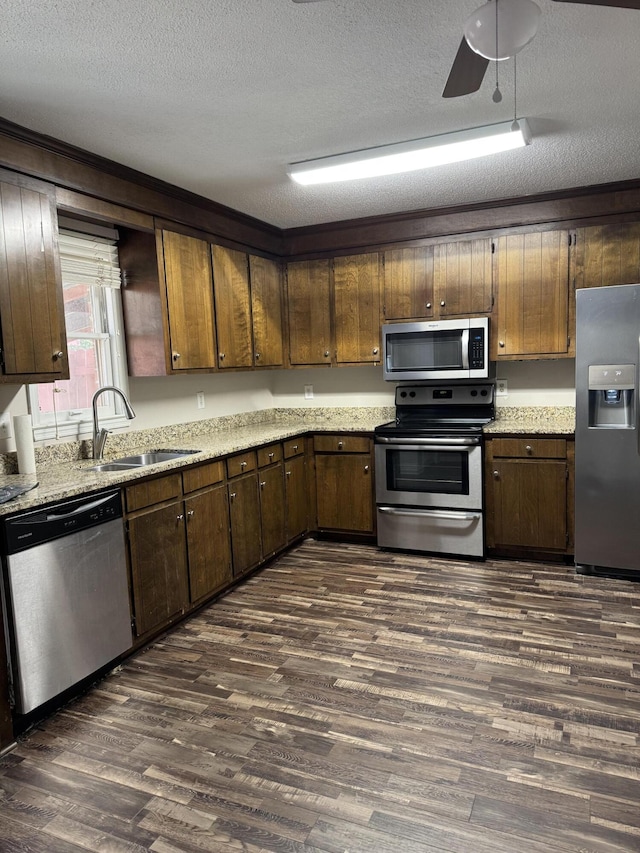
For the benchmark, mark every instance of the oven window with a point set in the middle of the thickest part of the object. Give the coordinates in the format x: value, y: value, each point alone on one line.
x: 435, y: 350
x: 431, y: 471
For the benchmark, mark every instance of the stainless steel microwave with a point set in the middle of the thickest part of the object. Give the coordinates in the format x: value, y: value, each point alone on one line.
x: 436, y: 349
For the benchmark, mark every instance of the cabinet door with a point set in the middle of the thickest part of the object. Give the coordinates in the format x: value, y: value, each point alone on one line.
x: 295, y: 482
x: 357, y: 308
x: 158, y: 566
x: 532, y: 279
x: 187, y: 274
x: 463, y: 278
x: 308, y: 297
x: 244, y: 507
x: 530, y: 503
x: 272, y: 513
x: 31, y: 307
x: 233, y: 307
x: 208, y: 542
x: 408, y: 283
x: 344, y: 489
x: 607, y: 254
x: 266, y: 310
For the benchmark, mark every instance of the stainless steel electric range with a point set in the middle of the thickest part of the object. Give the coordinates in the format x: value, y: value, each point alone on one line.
x: 429, y: 465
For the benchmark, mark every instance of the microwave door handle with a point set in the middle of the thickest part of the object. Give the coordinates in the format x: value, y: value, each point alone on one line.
x: 465, y: 349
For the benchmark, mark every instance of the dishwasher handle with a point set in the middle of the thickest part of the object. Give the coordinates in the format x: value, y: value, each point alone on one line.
x: 60, y: 513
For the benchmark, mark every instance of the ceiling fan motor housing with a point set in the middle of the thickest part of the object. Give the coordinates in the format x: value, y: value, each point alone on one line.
x: 502, y: 28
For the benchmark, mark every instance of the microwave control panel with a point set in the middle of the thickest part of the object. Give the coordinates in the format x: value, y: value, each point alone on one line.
x: 476, y: 349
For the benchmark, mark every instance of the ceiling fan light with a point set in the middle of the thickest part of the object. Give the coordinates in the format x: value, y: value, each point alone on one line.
x: 416, y: 154
x: 517, y: 25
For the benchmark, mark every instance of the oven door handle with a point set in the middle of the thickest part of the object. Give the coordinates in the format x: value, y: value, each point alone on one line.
x: 410, y: 443
x: 435, y: 513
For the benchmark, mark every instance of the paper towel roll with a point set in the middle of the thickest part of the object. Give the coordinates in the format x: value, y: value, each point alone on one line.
x: 24, y: 444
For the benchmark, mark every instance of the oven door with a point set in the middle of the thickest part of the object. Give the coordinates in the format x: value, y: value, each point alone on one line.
x: 443, y: 472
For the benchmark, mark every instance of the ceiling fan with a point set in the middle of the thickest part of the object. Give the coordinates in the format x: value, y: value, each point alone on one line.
x: 479, y: 43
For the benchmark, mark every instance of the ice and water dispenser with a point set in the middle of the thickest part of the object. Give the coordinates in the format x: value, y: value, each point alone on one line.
x: 612, y: 396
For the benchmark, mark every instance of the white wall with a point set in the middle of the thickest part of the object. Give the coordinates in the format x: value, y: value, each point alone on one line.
x: 161, y: 401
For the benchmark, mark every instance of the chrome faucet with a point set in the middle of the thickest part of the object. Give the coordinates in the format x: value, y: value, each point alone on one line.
x: 100, y: 436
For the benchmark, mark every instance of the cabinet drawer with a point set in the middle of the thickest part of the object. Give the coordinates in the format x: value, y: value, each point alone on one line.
x: 152, y: 492
x: 203, y: 475
x: 293, y: 447
x: 241, y: 463
x: 270, y: 454
x: 533, y: 448
x: 341, y: 443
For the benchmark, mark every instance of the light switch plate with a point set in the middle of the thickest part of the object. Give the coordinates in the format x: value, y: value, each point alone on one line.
x: 5, y: 425
x: 308, y: 392
x: 200, y: 399
x: 501, y: 388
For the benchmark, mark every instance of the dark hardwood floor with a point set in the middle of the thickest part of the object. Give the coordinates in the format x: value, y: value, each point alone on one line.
x: 354, y: 701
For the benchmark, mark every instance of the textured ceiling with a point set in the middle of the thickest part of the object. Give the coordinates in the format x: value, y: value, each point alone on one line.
x: 218, y: 96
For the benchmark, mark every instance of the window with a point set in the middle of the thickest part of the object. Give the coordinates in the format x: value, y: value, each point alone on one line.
x: 95, y: 341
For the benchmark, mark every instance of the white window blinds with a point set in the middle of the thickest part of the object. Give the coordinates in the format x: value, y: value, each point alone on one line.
x: 88, y: 260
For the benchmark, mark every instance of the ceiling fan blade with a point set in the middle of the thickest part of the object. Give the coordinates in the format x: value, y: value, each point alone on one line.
x: 467, y: 72
x: 620, y: 4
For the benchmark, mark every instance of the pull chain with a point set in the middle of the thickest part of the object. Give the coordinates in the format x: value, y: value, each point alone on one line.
x: 497, y: 94
x: 516, y: 124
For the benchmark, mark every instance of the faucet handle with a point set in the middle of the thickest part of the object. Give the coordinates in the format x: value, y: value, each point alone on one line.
x: 99, y: 443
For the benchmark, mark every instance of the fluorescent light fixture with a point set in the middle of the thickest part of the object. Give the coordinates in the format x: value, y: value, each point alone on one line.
x: 416, y: 154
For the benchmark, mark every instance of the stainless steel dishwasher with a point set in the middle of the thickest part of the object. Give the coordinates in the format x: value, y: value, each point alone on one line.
x: 65, y: 595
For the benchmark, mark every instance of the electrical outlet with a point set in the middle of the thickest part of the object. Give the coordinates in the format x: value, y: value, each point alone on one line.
x: 200, y: 399
x: 501, y: 388
x: 5, y: 425
x: 308, y: 392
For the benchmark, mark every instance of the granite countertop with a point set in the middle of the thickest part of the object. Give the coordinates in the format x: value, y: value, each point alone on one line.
x: 63, y: 470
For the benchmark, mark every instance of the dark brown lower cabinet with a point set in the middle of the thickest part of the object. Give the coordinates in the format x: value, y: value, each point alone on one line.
x: 296, y: 497
x: 272, y: 509
x: 244, y: 508
x: 344, y: 483
x: 208, y: 542
x: 160, y: 582
x: 529, y: 496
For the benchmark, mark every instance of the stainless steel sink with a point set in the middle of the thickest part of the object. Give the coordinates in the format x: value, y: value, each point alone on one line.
x: 140, y: 460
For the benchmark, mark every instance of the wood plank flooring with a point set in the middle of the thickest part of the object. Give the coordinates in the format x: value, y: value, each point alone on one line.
x: 348, y: 700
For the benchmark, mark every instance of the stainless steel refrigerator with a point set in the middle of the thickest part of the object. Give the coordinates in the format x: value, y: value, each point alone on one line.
x: 607, y: 533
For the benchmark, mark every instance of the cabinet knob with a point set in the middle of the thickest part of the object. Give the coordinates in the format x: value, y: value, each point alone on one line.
x: 442, y: 303
x: 326, y: 353
x: 271, y: 456
x: 175, y: 356
x: 243, y: 464
x: 221, y: 356
x: 179, y: 518
x: 428, y: 305
x: 340, y: 445
x: 232, y: 495
x: 366, y: 469
x: 263, y: 483
x: 500, y: 343
x: 496, y: 475
x: 295, y: 447
x: 257, y: 356
x: 58, y: 355
x: 287, y: 473
x: 190, y: 514
x: 375, y: 350
x: 528, y: 448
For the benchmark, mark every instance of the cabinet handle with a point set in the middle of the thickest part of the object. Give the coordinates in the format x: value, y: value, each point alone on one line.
x: 58, y: 355
x: 428, y: 305
x: 287, y: 473
x: 442, y: 303
x: 375, y: 350
x: 528, y: 448
x: 257, y: 356
x: 500, y: 343
x: 326, y: 353
x: 496, y: 475
x: 179, y: 518
x: 221, y: 356
x: 243, y: 464
x: 232, y: 495
x: 175, y: 356
x: 263, y: 483
x: 340, y: 445
x: 190, y: 514
x: 295, y: 447
x: 366, y: 469
x: 271, y: 455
